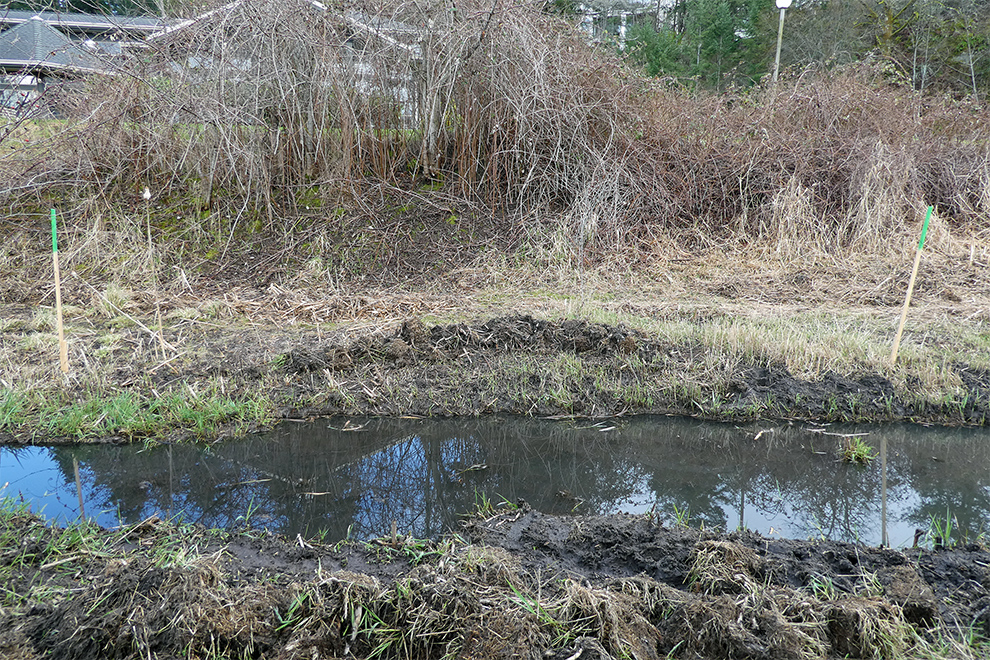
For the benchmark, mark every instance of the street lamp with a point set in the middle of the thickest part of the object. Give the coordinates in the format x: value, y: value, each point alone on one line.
x: 782, y: 5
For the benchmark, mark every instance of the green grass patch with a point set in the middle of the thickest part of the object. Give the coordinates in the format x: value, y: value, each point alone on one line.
x: 33, y: 543
x: 134, y: 416
x: 13, y: 408
x: 203, y: 415
x: 123, y: 414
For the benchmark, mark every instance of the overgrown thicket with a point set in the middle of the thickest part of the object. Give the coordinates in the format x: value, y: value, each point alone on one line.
x: 257, y: 113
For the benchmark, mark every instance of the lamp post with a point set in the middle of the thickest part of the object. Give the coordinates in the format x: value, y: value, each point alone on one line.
x: 782, y: 5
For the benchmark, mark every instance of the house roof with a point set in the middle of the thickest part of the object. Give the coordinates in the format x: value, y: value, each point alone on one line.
x: 35, y: 45
x: 90, y: 23
x: 383, y: 28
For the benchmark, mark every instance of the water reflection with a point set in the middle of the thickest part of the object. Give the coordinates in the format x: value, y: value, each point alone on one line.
x: 357, y: 476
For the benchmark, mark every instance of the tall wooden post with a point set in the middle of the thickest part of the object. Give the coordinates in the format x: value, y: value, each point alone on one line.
x: 63, y: 347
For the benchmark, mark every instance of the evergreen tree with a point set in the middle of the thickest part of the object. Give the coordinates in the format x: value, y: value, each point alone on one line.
x: 657, y: 51
x: 715, y: 42
x: 939, y: 45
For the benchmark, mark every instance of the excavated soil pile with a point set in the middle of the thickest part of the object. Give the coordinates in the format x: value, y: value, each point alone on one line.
x: 467, y: 368
x: 516, y: 584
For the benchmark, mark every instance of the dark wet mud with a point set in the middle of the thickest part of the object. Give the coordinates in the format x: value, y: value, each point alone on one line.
x: 514, y: 584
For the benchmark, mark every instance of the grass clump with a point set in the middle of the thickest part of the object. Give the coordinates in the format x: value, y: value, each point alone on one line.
x: 33, y: 544
x: 944, y: 531
x: 122, y: 414
x: 13, y: 408
x: 134, y: 416
x: 204, y: 414
x: 855, y: 450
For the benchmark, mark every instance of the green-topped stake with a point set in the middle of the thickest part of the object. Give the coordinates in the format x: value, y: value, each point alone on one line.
x: 910, y: 289
x: 63, y: 348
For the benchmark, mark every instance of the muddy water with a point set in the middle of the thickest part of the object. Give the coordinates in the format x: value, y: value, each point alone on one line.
x: 357, y: 476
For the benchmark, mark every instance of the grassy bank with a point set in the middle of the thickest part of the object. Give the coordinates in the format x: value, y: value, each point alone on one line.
x: 103, y: 415
x: 707, y: 340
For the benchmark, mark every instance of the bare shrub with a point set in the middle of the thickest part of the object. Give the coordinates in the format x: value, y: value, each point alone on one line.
x: 851, y: 153
x: 258, y: 113
x: 881, y: 197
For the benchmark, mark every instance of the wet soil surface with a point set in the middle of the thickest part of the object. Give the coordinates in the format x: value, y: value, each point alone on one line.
x: 515, y: 584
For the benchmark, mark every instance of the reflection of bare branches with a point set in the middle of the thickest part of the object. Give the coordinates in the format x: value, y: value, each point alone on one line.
x: 305, y: 478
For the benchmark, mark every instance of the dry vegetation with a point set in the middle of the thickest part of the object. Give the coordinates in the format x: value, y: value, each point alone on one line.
x: 314, y: 165
x: 273, y: 117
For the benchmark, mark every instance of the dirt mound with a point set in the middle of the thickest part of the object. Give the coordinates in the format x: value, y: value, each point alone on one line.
x: 518, y: 584
x: 415, y: 342
x: 742, y: 595
x: 523, y: 365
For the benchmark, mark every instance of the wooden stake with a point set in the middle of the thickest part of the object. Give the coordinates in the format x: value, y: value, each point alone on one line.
x: 910, y: 289
x: 63, y: 347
